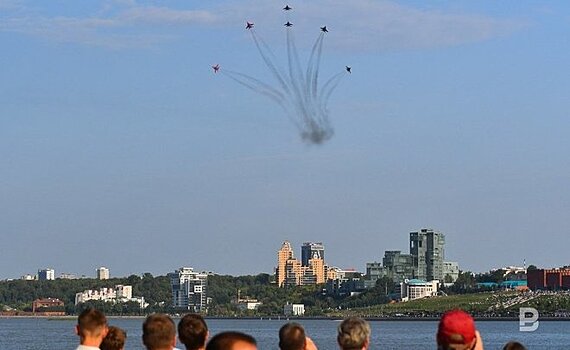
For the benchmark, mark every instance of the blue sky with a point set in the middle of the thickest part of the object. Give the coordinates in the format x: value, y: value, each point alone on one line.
x: 121, y: 148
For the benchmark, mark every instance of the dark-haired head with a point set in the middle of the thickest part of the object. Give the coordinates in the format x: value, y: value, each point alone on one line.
x: 514, y: 345
x: 232, y: 341
x: 159, y: 332
x: 292, y: 337
x: 115, y: 339
x: 192, y: 331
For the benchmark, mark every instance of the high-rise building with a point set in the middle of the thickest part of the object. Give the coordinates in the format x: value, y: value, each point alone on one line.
x: 399, y: 266
x: 188, y: 289
x: 46, y: 274
x: 103, y: 273
x: 395, y: 265
x: 317, y: 265
x: 418, y: 247
x: 425, y: 261
x: 283, y: 255
x: 311, y: 250
x: 375, y: 271
x: 427, y: 250
x: 435, y: 256
x: 291, y: 271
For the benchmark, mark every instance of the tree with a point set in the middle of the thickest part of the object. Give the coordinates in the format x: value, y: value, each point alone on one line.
x: 465, y: 282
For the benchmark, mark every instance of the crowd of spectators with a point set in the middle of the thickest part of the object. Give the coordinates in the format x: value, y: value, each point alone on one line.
x: 456, y: 331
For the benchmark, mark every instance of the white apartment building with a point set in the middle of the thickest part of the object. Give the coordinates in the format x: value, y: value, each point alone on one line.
x: 416, y: 289
x: 103, y: 273
x: 46, y: 274
x: 119, y: 294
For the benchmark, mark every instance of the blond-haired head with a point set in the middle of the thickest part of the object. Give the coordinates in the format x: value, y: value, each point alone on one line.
x: 353, y: 334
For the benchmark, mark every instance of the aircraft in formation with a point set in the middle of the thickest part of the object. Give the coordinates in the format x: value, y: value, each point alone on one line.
x: 306, y: 101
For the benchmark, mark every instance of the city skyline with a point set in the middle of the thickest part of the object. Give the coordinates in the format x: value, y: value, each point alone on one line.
x: 372, y: 269
x: 121, y: 147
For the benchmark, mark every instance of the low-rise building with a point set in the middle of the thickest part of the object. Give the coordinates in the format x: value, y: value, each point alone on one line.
x: 119, y: 294
x: 450, y: 271
x: 417, y: 289
x: 249, y: 304
x: 246, y: 303
x: 68, y: 276
x: 51, y: 306
x: 294, y: 309
x: 548, y: 279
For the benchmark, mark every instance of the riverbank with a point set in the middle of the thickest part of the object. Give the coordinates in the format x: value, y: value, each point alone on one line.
x: 285, y: 318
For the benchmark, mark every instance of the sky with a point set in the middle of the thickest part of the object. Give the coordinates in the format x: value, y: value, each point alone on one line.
x: 120, y: 147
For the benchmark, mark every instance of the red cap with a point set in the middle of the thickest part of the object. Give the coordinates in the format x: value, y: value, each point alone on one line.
x: 456, y: 327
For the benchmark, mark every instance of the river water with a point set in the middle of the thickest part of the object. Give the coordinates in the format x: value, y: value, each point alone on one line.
x: 48, y: 334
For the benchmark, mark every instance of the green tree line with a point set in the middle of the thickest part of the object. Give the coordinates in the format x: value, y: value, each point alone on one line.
x: 222, y: 292
x: 19, y: 294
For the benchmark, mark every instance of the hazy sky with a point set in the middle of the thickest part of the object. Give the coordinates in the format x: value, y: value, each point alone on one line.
x: 120, y: 147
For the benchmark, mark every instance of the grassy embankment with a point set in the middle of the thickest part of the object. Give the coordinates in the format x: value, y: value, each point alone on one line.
x: 486, y: 303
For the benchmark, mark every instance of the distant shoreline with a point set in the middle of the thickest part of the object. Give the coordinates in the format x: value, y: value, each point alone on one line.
x: 285, y: 318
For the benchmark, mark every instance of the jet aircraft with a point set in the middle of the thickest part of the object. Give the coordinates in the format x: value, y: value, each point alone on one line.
x: 324, y: 29
x: 348, y: 69
x: 248, y: 25
x: 287, y: 8
x: 216, y: 68
x: 288, y: 24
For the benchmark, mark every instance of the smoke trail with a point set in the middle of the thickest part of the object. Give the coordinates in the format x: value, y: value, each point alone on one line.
x: 291, y: 66
x: 298, y: 91
x: 257, y: 82
x: 311, y: 64
x: 263, y: 89
x: 329, y: 87
x: 269, y: 63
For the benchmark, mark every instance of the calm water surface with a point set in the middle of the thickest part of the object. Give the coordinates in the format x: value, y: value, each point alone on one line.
x: 46, y: 334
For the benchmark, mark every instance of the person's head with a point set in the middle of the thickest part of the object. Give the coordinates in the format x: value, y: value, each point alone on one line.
x: 232, y: 341
x: 514, y: 345
x: 292, y: 337
x: 159, y: 332
x: 456, y: 331
x: 115, y: 339
x: 193, y: 332
x: 91, y: 327
x: 353, y: 334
